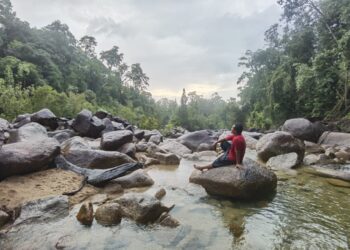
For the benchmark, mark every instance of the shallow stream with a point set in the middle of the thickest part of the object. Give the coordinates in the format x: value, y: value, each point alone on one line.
x: 306, y: 213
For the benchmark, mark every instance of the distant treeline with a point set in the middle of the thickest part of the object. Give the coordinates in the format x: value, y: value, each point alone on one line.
x: 50, y: 68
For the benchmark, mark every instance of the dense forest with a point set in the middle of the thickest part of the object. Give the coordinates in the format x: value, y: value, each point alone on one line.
x: 303, y: 71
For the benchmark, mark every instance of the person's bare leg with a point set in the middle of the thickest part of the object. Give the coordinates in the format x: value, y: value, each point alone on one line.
x: 201, y: 168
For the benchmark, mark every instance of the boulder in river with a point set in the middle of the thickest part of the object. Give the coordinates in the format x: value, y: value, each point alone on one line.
x: 138, y: 178
x: 86, y: 214
x: 175, y: 147
x: 87, y: 125
x: 250, y: 182
x: 303, y: 129
x: 30, y: 131
x: 90, y: 158
x: 142, y: 208
x: 27, y: 156
x: 108, y: 214
x: 335, y: 138
x: 285, y: 161
x: 196, y: 140
x: 279, y: 143
x: 116, y: 139
x: 128, y: 149
x: 46, y: 118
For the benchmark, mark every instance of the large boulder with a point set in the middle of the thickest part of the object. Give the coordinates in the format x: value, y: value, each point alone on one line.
x: 250, y: 182
x: 46, y: 118
x: 175, y: 147
x: 138, y: 178
x: 279, y: 143
x: 167, y: 159
x: 196, y: 140
x: 87, y: 125
x: 90, y: 158
x: 21, y: 120
x: 335, y: 138
x: 116, y: 139
x: 74, y: 143
x: 303, y: 129
x: 30, y: 131
x: 27, y: 156
x: 142, y: 208
x: 286, y: 161
x: 128, y: 149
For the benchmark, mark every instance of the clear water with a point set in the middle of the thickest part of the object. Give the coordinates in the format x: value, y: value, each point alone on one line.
x: 306, y: 213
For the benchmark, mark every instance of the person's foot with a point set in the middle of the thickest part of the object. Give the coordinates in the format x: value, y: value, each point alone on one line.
x: 197, y: 167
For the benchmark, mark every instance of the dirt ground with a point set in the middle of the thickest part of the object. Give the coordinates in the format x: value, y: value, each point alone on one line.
x: 16, y: 190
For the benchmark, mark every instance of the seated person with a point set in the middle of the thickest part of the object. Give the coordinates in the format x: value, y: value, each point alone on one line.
x: 234, y: 146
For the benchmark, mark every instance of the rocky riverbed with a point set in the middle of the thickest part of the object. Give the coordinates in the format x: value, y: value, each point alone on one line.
x: 99, y: 182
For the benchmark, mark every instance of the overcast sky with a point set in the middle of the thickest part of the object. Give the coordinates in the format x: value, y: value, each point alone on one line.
x: 192, y: 44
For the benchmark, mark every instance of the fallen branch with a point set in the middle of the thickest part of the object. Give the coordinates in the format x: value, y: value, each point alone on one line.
x: 98, y: 177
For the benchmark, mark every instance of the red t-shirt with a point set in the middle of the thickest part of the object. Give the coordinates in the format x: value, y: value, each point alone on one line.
x: 238, y: 143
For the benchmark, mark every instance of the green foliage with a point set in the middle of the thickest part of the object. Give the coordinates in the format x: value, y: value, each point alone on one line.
x: 305, y: 70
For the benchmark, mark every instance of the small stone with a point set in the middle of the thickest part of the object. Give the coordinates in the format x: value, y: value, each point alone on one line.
x: 169, y: 221
x: 338, y: 183
x: 4, y: 218
x: 86, y: 214
x: 160, y: 194
x: 108, y: 214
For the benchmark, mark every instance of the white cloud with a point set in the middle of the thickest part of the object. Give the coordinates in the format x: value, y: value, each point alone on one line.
x: 192, y: 44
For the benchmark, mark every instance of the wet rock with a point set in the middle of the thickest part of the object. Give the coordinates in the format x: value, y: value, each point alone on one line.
x: 251, y: 182
x: 342, y: 155
x: 310, y: 159
x: 138, y: 178
x: 74, y: 143
x: 279, y: 143
x: 28, y: 132
x: 142, y: 208
x: 193, y: 140
x: 90, y: 158
x: 108, y: 214
x: 160, y: 194
x: 166, y: 220
x: 62, y: 135
x: 152, y: 149
x: 87, y: 125
x: 303, y: 129
x: 86, y: 214
x: 139, y: 134
x: 335, y: 138
x: 46, y: 118
x: 156, y: 139
x: 148, y: 161
x: 27, y: 156
x: 175, y: 147
x: 128, y: 149
x: 4, y: 218
x: 285, y: 161
x: 141, y: 147
x: 44, y: 210
x: 338, y: 183
x: 249, y: 140
x: 167, y: 159
x: 21, y: 120
x: 116, y: 139
x: 313, y: 148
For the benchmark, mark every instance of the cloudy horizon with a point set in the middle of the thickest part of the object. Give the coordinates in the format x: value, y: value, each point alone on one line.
x: 191, y: 44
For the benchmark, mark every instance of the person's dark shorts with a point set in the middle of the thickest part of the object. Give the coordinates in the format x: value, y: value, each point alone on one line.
x: 223, y: 159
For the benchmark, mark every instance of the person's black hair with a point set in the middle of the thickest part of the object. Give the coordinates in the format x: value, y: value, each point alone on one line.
x: 239, y: 128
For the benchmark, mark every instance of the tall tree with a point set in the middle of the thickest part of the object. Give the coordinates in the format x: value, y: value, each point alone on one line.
x: 88, y: 45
